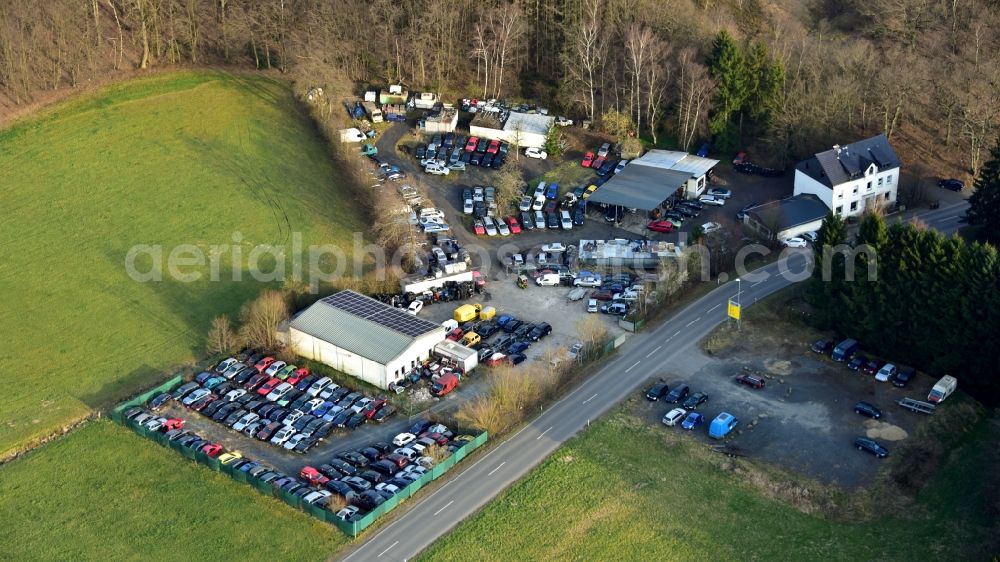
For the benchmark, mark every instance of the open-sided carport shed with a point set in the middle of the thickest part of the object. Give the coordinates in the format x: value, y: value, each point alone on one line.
x: 640, y: 187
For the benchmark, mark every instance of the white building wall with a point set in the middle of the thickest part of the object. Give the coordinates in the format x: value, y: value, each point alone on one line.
x: 526, y: 140
x: 799, y: 230
x: 695, y: 187
x: 805, y: 184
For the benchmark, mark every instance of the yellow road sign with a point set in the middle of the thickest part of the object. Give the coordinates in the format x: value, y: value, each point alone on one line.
x: 734, y: 310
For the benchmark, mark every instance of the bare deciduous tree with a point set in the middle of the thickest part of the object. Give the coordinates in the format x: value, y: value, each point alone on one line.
x: 260, y: 320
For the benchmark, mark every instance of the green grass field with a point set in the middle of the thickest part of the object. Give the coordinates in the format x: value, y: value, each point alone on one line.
x: 104, y: 493
x: 627, y: 491
x: 186, y: 158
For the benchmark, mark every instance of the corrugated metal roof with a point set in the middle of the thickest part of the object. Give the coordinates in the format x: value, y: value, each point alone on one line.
x: 368, y: 336
x: 675, y: 160
x: 639, y: 187
x: 529, y: 122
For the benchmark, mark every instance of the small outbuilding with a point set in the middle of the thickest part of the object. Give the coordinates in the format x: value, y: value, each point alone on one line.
x: 787, y: 218
x: 442, y: 121
x: 523, y: 130
x: 363, y: 337
x: 648, y: 181
x: 465, y: 357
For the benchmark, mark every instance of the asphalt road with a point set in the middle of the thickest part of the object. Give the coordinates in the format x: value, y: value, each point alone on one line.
x: 640, y: 358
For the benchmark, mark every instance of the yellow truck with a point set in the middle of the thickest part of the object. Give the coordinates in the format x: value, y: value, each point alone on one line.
x: 487, y: 313
x: 467, y: 312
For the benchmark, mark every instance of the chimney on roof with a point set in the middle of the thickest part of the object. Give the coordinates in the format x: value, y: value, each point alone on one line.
x: 836, y: 148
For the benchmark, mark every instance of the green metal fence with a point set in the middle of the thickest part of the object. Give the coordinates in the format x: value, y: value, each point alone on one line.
x: 351, y: 528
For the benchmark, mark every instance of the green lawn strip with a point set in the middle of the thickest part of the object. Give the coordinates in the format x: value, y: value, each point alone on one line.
x: 186, y: 158
x: 623, y: 490
x: 104, y: 493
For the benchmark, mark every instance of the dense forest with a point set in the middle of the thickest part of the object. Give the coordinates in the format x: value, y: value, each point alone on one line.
x: 787, y: 77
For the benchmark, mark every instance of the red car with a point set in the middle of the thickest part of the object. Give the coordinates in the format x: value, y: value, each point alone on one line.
x: 263, y: 364
x: 660, y: 226
x: 496, y: 359
x: 478, y: 227
x: 313, y: 476
x: 588, y: 159
x: 436, y: 437
x: 212, y: 450
x: 494, y: 147
x: 298, y: 375
x: 596, y: 164
x: 373, y: 408
x: 470, y: 145
x: 455, y: 334
x: 602, y: 295
x: 172, y: 424
x: 201, y: 404
x: 515, y: 228
x: 269, y: 386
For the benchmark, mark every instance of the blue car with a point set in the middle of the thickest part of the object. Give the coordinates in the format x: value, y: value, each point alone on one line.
x: 503, y: 320
x: 322, y: 409
x: 552, y: 191
x: 693, y: 420
x: 517, y: 347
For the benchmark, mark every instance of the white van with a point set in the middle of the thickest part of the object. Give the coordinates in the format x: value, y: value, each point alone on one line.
x: 548, y: 280
x: 351, y: 135
x: 942, y: 389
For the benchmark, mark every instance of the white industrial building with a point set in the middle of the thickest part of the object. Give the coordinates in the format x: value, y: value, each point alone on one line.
x: 442, y: 121
x: 851, y: 178
x: 523, y: 130
x: 363, y: 337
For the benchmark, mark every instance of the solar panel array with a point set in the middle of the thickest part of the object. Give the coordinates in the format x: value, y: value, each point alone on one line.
x: 370, y: 309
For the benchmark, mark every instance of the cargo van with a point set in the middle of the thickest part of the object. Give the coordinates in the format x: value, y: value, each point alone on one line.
x: 845, y: 350
x: 444, y: 384
x: 942, y: 389
x: 548, y: 280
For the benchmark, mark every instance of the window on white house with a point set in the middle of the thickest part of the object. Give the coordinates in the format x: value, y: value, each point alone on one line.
x: 869, y: 186
x: 887, y: 196
x: 888, y: 179
x: 855, y: 190
x: 840, y: 209
x: 840, y: 196
x: 854, y: 205
x: 880, y: 182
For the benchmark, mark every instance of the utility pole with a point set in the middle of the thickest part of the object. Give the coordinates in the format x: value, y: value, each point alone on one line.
x: 739, y: 302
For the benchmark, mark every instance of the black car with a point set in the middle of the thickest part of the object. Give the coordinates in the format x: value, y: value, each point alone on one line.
x: 329, y: 471
x: 540, y: 331
x: 512, y: 326
x: 234, y: 417
x: 465, y: 157
x: 324, y: 430
x: 686, y: 212
x: 866, y: 409
x: 657, y: 392
x: 383, y: 447
x: 244, y: 375
x: 183, y: 390
x: 516, y: 358
x: 338, y: 487
x: 857, y: 362
x: 303, y: 422
x: 522, y: 331
x: 578, y: 216
x: 306, y: 382
x: 606, y: 168
x: 212, y: 408
x: 344, y: 467
x: 498, y: 161
x: 872, y: 446
x: 679, y: 393
x: 370, y: 453
x: 369, y: 500
x: 695, y: 400
x: 822, y: 346
x: 312, y: 426
x: 223, y: 412
x: 488, y: 329
x: 338, y: 394
x: 373, y: 476
x: 244, y: 355
x: 552, y: 221
x: 306, y: 444
x: 383, y: 413
x: 483, y: 144
x: 388, y: 468
x: 341, y: 418
x: 159, y: 401
x: 355, y: 420
x: 903, y: 377
x: 418, y: 427
x: 487, y: 160
x: 952, y: 184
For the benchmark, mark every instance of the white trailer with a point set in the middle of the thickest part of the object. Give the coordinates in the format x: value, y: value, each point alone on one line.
x: 425, y: 100
x: 351, y: 135
x: 466, y: 358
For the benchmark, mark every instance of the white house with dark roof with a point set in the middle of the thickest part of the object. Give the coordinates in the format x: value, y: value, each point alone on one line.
x: 850, y: 178
x: 363, y: 337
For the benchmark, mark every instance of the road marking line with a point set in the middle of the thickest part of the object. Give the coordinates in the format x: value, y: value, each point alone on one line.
x: 449, y: 503
x: 714, y: 307
x: 692, y: 322
x: 491, y: 473
x: 388, y: 549
x: 591, y: 398
x: 650, y: 353
x: 677, y: 333
x: 542, y: 433
x: 757, y: 283
x: 632, y: 367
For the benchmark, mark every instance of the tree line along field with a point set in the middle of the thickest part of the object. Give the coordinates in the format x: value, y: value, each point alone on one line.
x: 623, y: 484
x: 104, y: 493
x: 181, y: 158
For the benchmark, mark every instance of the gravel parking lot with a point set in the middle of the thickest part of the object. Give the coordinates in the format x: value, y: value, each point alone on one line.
x: 804, y: 418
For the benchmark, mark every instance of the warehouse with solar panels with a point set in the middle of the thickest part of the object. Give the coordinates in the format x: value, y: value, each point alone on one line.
x: 363, y: 337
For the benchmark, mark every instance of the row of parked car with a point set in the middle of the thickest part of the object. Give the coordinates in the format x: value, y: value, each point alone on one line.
x: 514, y: 337
x: 367, y: 477
x: 686, y: 414
x: 848, y: 351
x: 454, y: 152
x: 275, y: 402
